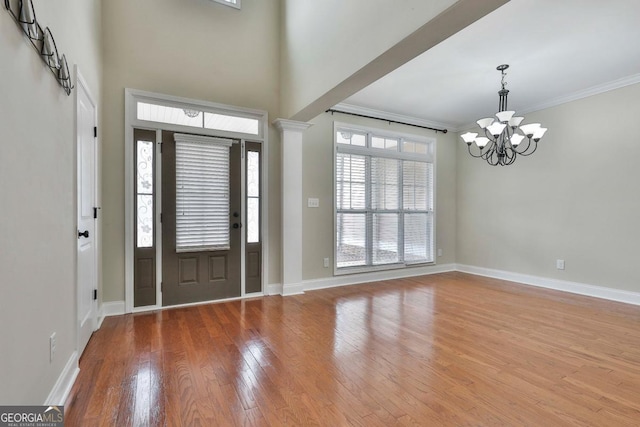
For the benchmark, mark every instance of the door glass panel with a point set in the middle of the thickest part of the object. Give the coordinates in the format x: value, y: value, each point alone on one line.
x: 253, y: 197
x: 202, y: 194
x: 144, y: 191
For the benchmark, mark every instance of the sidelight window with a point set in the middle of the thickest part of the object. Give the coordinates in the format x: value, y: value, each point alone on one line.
x: 144, y: 193
x: 253, y: 196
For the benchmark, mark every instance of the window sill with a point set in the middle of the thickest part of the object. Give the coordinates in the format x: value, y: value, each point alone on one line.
x: 378, y: 268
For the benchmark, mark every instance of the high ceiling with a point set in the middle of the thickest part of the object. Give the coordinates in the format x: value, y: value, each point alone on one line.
x: 557, y: 50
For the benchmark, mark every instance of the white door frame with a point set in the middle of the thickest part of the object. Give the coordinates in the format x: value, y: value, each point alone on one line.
x: 81, y: 85
x: 132, y: 96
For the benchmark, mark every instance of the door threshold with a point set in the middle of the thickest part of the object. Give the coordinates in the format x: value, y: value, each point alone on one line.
x: 148, y: 308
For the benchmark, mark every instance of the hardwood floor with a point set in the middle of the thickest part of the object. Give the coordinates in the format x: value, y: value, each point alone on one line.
x: 449, y: 349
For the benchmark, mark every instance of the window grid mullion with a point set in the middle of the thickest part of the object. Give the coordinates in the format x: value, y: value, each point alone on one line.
x: 401, y: 212
x: 369, y: 209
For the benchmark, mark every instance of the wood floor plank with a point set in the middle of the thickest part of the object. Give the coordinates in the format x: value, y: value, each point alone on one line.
x: 449, y: 349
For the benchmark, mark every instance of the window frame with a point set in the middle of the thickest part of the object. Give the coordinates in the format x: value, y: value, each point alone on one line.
x: 397, y: 154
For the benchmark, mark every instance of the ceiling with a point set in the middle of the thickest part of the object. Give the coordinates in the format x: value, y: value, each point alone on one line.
x: 557, y: 51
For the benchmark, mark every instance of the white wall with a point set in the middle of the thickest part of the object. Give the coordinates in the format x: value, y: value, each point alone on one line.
x: 196, y: 49
x: 324, y: 42
x: 38, y: 199
x: 575, y: 199
x: 317, y: 182
x: 331, y: 49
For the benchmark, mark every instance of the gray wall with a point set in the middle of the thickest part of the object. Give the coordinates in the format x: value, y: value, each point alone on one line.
x: 38, y: 197
x: 195, y: 49
x: 575, y: 199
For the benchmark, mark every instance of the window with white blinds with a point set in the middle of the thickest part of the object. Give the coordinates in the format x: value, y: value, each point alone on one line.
x: 202, y: 193
x: 383, y: 199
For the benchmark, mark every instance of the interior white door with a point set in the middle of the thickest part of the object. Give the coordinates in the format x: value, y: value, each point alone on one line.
x: 87, y: 242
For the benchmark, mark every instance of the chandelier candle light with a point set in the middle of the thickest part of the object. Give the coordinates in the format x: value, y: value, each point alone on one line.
x: 504, y: 134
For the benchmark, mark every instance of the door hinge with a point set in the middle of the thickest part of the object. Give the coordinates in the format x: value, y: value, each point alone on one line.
x: 160, y: 146
x: 95, y: 131
x: 161, y: 286
x: 95, y: 212
x: 95, y: 294
x: 161, y: 218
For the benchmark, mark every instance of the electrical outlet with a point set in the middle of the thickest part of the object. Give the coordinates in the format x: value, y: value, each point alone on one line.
x: 52, y: 346
x: 326, y: 263
x: 560, y: 264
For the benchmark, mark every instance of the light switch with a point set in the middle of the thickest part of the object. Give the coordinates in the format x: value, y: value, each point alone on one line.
x: 313, y: 202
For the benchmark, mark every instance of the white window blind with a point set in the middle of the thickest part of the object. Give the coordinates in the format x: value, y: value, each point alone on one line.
x: 384, y: 200
x: 202, y: 193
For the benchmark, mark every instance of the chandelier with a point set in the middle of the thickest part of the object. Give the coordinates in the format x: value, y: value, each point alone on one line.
x: 503, y: 135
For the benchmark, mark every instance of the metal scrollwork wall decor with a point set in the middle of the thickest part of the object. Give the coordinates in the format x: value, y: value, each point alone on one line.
x: 43, y: 42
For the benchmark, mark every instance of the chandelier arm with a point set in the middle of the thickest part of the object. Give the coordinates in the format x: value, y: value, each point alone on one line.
x: 487, y: 152
x: 511, y: 156
x: 493, y: 156
x: 535, y: 147
x: 491, y: 147
x: 519, y: 150
x: 473, y: 155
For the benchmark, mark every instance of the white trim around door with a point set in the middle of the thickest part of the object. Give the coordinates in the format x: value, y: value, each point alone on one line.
x: 132, y: 97
x: 87, y: 284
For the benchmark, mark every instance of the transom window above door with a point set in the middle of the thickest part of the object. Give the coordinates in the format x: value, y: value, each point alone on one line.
x: 195, y: 118
x: 232, y: 3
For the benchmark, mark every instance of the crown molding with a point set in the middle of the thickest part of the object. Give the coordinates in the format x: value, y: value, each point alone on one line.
x: 385, y: 115
x: 585, y: 93
x: 575, y: 96
x: 291, y: 125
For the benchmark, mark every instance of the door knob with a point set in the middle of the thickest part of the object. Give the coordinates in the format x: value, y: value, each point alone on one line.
x: 236, y: 225
x: 85, y: 234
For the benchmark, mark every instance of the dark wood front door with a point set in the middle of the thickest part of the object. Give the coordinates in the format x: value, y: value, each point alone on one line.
x: 212, y: 273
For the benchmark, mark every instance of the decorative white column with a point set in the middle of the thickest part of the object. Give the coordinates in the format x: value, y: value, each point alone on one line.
x: 291, y: 136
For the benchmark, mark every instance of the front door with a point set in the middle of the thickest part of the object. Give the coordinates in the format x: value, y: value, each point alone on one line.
x: 201, y: 218
x: 87, y: 213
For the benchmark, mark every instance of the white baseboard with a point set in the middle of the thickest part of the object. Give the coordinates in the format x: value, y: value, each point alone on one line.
x: 117, y: 307
x: 62, y: 387
x: 375, y: 276
x: 112, y: 308
x: 556, y: 284
x: 274, y: 289
x: 293, y: 289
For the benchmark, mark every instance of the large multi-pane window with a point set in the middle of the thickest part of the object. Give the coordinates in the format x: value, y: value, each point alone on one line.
x: 383, y: 199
